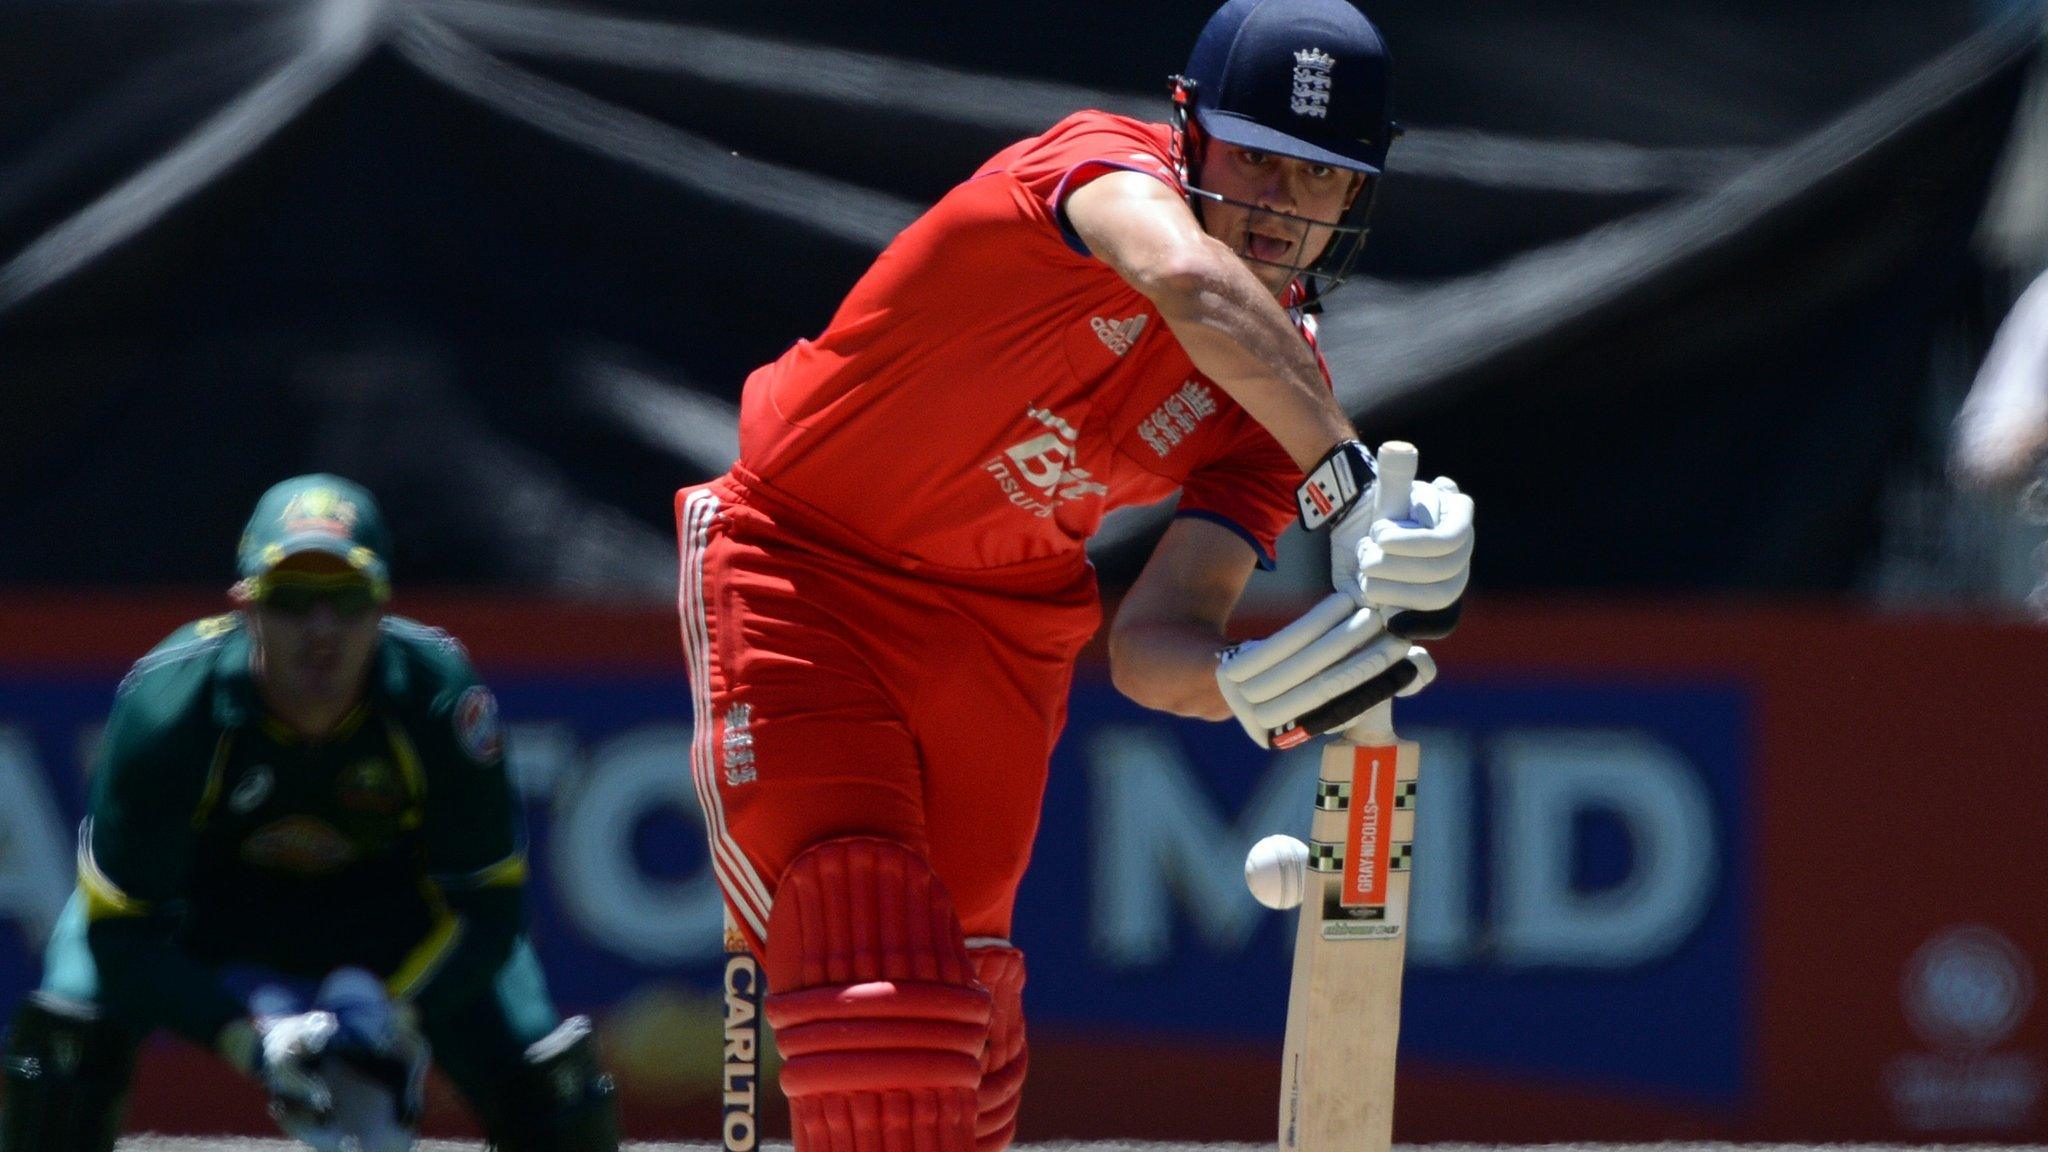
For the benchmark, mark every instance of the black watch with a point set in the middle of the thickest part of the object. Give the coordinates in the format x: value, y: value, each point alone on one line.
x: 1336, y: 483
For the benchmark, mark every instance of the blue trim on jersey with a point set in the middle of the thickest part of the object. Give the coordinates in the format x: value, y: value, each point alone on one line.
x: 1266, y: 561
x: 1059, y: 197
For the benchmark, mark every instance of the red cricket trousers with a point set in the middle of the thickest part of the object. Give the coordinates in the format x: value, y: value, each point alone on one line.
x: 839, y: 694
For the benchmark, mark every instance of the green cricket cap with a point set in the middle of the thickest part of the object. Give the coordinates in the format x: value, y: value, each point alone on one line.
x: 317, y: 513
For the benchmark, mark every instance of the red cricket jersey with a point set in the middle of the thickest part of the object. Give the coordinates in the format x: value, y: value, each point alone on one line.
x: 989, y: 390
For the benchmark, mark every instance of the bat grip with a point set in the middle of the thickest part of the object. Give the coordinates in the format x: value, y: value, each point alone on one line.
x: 1396, y: 460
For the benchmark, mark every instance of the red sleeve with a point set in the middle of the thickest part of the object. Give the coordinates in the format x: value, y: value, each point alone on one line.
x: 1084, y: 147
x: 1248, y: 488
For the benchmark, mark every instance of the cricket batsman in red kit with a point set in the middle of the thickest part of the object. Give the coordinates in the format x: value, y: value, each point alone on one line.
x: 883, y: 600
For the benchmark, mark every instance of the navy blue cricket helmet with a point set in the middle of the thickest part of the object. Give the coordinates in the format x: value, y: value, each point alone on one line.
x: 1306, y: 79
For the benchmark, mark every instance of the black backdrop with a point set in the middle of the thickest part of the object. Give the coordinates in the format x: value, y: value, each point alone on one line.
x: 509, y: 263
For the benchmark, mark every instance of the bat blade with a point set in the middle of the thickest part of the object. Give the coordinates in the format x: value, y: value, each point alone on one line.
x: 1350, y: 945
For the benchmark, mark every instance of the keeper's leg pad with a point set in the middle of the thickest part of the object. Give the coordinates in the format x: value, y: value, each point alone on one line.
x: 876, y: 1011
x: 1000, y: 968
x: 561, y: 1100
x: 67, y: 1070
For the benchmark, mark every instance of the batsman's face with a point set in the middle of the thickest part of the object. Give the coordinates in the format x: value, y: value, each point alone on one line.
x: 1295, y: 196
x: 316, y: 632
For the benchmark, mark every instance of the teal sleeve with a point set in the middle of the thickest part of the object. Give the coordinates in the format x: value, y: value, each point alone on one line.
x: 134, y: 862
x: 489, y: 924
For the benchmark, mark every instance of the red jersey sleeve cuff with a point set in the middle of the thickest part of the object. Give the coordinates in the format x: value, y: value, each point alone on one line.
x: 1259, y: 549
x: 1079, y: 177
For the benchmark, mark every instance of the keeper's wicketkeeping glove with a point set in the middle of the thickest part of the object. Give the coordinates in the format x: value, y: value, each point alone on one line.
x: 291, y: 1048
x: 349, y: 1073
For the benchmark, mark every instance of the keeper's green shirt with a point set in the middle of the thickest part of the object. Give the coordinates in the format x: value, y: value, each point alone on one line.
x: 216, y: 836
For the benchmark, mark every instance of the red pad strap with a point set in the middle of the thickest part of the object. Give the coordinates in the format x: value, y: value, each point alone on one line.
x: 1005, y: 1060
x: 879, y: 1036
x: 902, y: 999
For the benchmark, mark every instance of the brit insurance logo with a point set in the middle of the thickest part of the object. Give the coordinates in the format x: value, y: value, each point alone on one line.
x: 1965, y: 992
x: 1312, y: 83
x: 1039, y: 474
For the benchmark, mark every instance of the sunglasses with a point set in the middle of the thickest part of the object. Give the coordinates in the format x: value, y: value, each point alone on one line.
x: 302, y: 599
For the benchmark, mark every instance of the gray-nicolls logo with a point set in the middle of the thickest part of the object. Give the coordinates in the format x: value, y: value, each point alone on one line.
x: 1118, y: 335
x: 739, y: 744
x: 1312, y: 68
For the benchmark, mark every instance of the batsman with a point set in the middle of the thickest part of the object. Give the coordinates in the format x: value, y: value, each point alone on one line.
x: 882, y: 602
x: 305, y: 791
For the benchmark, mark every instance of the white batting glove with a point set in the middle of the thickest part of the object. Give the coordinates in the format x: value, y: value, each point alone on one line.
x: 1319, y: 674
x: 1413, y: 557
x: 1419, y: 563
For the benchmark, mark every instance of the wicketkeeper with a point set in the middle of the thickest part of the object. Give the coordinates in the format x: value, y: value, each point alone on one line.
x: 883, y: 600
x: 305, y: 792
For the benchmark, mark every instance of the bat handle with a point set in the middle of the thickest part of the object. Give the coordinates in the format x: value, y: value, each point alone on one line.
x: 1397, y: 461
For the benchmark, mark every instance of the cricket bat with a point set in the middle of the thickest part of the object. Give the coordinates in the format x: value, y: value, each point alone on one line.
x: 1344, y: 1000
x: 742, y: 1059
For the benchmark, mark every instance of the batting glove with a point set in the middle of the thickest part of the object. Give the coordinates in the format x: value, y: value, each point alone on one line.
x: 1416, y: 563
x: 1419, y: 564
x: 1319, y: 674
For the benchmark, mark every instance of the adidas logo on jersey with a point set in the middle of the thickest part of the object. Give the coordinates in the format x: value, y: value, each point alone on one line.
x: 1118, y: 335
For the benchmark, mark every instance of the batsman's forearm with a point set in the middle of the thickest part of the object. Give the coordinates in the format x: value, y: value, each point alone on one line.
x: 1240, y: 337
x: 1170, y: 667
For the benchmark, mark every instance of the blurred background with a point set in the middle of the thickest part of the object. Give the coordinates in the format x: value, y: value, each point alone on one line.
x: 1735, y: 777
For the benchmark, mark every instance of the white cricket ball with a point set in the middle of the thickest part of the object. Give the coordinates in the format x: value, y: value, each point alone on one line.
x: 1276, y: 870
